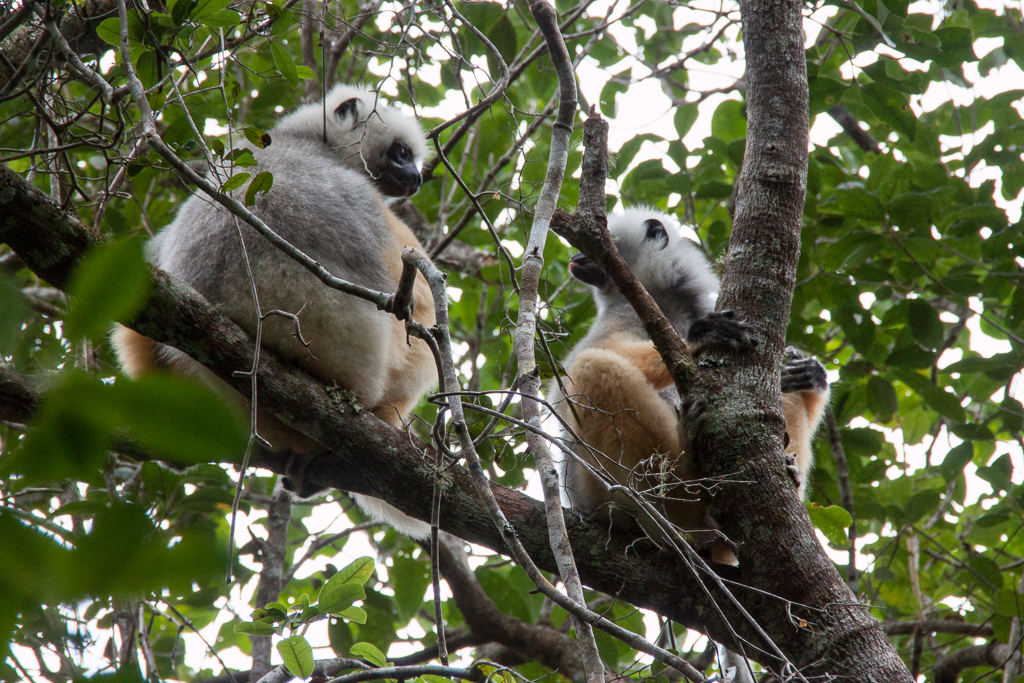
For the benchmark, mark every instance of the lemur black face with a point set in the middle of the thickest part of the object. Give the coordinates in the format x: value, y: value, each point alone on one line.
x: 348, y: 108
x: 400, y: 177
x: 587, y: 271
x: 656, y: 232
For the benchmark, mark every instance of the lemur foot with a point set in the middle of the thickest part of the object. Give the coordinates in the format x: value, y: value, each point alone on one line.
x: 720, y: 330
x: 791, y: 468
x: 691, y: 418
x: 802, y: 373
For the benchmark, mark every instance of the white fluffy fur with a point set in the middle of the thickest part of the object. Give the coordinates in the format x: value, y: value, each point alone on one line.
x: 369, y: 138
x: 659, y: 269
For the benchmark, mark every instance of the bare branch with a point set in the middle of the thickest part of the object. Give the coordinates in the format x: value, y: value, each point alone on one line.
x: 948, y: 667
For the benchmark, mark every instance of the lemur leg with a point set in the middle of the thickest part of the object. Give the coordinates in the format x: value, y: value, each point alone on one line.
x: 621, y: 417
x: 393, y: 410
x: 136, y: 354
x: 804, y: 397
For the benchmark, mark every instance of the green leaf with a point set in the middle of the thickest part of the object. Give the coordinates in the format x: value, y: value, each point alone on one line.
x: 912, y: 356
x: 370, y: 653
x: 502, y: 35
x: 255, y: 628
x: 987, y: 569
x: 925, y: 323
x: 241, y: 157
x: 492, y: 672
x: 336, y: 596
x: 825, y: 93
x: 15, y: 310
x: 225, y: 18
x: 72, y: 432
x: 881, y: 398
x: 207, y: 8
x: 109, y: 31
x: 1011, y: 412
x: 297, y: 655
x: 957, y: 46
x: 920, y: 504
x: 729, y: 122
x: 858, y: 326
x: 892, y: 107
x: 850, y: 251
x: 180, y: 419
x: 257, y: 136
x: 285, y: 64
x: 305, y: 73
x: 1008, y: 603
x: 354, y: 613
x: 180, y: 9
x: 110, y: 284
x: 684, y: 119
x: 952, y: 466
x: 357, y: 571
x: 147, y: 68
x: 339, y: 635
x: 998, y: 473
x: 831, y: 521
x: 261, y: 183
x: 944, y: 403
x: 410, y: 579
x: 234, y: 182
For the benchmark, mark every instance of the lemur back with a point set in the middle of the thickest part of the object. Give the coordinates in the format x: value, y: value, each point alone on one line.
x: 621, y: 402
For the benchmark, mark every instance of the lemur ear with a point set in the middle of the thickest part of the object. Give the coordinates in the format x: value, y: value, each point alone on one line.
x: 656, y: 231
x: 349, y: 107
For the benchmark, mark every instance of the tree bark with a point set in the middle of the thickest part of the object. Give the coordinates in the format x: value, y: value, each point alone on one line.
x: 273, y: 552
x: 800, y: 598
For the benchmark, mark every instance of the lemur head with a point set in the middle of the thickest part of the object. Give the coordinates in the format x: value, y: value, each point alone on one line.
x: 367, y: 135
x: 671, y: 267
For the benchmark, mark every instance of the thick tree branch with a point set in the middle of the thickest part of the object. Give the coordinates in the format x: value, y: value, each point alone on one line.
x: 947, y: 668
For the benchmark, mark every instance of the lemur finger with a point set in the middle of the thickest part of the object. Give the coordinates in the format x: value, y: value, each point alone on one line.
x: 806, y: 374
x: 720, y: 330
x: 691, y: 417
x: 792, y: 470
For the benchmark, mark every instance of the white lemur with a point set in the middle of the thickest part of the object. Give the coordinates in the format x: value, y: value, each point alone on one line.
x: 328, y: 199
x: 622, y: 402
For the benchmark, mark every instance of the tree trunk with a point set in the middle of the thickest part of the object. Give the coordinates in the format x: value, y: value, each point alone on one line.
x: 801, y: 601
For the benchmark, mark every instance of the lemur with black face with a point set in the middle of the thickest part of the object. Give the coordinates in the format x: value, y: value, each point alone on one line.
x: 331, y: 180
x: 622, y: 403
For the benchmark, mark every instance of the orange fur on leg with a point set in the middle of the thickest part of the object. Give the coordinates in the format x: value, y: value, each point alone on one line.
x: 136, y: 354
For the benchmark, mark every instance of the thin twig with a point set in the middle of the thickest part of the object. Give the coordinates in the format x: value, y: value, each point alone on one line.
x: 526, y: 328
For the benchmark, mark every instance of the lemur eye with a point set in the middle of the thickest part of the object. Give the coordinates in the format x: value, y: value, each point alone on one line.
x: 655, y: 230
x: 400, y: 151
